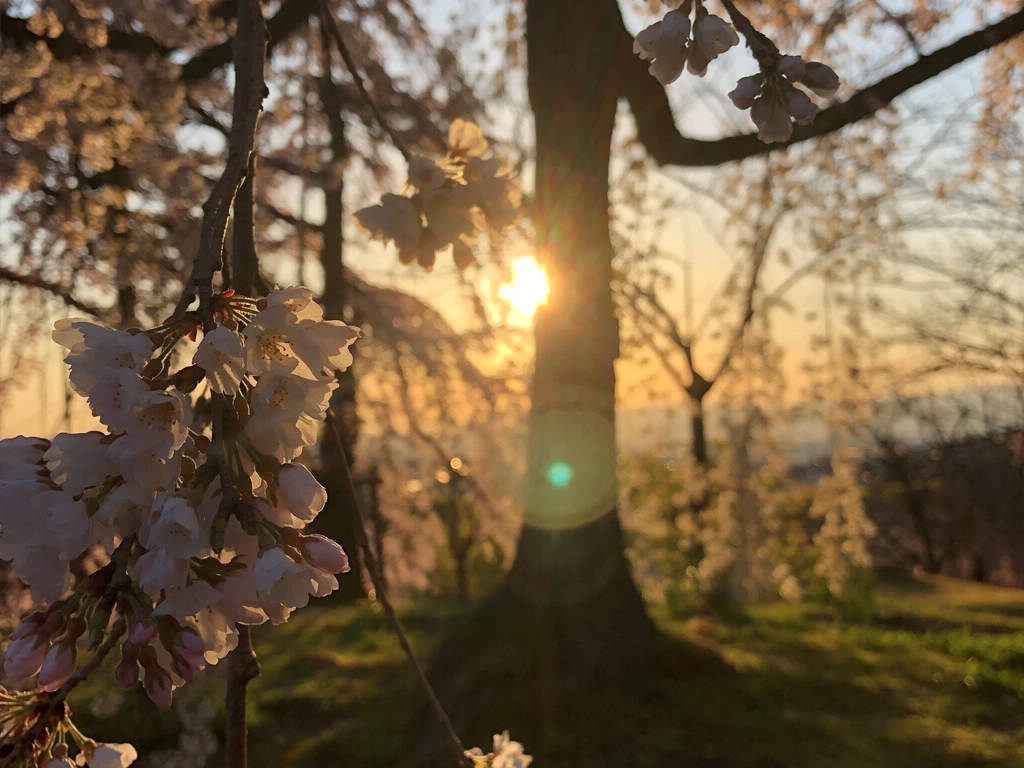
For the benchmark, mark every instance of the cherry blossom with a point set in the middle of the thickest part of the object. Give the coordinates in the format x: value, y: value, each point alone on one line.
x: 664, y: 44
x: 112, y: 756
x: 505, y: 753
x: 455, y: 199
x: 221, y: 356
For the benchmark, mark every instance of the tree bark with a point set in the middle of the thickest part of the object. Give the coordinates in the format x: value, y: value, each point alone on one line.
x: 570, y: 549
x: 698, y: 437
x: 570, y: 615
x: 338, y: 520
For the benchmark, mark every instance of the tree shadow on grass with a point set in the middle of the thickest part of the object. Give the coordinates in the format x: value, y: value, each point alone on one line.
x: 687, y: 707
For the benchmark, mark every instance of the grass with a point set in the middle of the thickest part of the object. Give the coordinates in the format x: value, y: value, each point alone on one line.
x: 936, y: 679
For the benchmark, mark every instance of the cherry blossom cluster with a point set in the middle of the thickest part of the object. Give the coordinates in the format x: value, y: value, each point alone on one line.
x: 772, y: 96
x: 774, y: 100
x: 670, y: 47
x: 504, y: 754
x: 453, y: 200
x: 192, y: 509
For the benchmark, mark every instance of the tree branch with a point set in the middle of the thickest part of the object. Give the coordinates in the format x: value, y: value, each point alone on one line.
x: 242, y: 667
x: 250, y: 87
x: 760, y: 251
x: 61, y: 292
x: 331, y: 26
x: 658, y: 133
x: 290, y: 16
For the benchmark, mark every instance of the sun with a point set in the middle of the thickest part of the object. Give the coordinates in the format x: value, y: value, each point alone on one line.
x: 529, y: 286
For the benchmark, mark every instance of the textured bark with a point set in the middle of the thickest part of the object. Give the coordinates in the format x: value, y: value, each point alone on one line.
x: 568, y: 616
x: 571, y: 545
x: 698, y: 437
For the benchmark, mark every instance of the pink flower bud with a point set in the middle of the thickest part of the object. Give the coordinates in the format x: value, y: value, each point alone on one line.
x: 24, y: 656
x: 127, y: 672
x: 30, y: 625
x: 57, y: 666
x: 191, y: 642
x: 158, y: 687
x: 142, y: 632
x: 324, y: 554
x: 188, y: 654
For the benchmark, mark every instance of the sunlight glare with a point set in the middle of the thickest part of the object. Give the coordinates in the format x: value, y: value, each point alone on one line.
x: 529, y: 286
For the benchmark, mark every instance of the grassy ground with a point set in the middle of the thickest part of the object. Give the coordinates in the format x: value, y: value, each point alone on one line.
x: 935, y: 679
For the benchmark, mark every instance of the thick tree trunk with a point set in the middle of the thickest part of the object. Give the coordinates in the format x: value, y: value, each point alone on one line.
x: 698, y: 437
x: 568, y: 616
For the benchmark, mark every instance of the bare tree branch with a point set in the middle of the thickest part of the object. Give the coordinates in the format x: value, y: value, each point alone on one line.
x: 62, y: 292
x: 250, y: 52
x: 658, y: 132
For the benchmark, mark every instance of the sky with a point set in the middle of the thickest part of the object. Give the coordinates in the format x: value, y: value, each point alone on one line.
x: 689, y: 237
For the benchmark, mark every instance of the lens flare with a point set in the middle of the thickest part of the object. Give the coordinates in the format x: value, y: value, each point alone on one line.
x: 560, y: 474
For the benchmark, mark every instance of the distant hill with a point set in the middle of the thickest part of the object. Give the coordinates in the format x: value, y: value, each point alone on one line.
x: 803, y: 432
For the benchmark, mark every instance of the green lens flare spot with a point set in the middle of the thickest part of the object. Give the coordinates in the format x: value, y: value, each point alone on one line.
x: 559, y: 474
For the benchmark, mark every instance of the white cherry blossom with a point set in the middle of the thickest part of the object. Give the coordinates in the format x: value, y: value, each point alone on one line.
x: 285, y: 585
x: 711, y: 36
x: 21, y: 456
x: 664, y: 44
x: 156, y: 570
x: 113, y: 756
x: 221, y: 355
x: 173, y: 528
x: 299, y: 496
x: 78, y: 461
x: 95, y: 348
x: 772, y: 120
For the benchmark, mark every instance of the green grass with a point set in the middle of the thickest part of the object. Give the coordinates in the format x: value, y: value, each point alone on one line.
x: 936, y: 679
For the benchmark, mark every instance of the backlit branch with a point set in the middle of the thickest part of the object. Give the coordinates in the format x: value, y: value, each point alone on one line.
x: 667, y: 146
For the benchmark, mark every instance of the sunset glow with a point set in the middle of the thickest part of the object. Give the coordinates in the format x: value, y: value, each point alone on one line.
x: 529, y: 286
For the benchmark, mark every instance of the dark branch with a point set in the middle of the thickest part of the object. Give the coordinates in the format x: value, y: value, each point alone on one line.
x: 331, y: 26
x: 657, y: 129
x: 291, y: 16
x: 62, y: 292
x: 250, y: 88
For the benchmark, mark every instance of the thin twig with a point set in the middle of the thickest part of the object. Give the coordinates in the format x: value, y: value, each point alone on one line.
x: 332, y: 28
x: 372, y: 567
x: 62, y: 292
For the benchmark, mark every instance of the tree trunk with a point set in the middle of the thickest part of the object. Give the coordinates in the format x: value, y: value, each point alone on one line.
x: 571, y: 544
x: 569, y: 614
x: 337, y: 520
x: 698, y: 438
